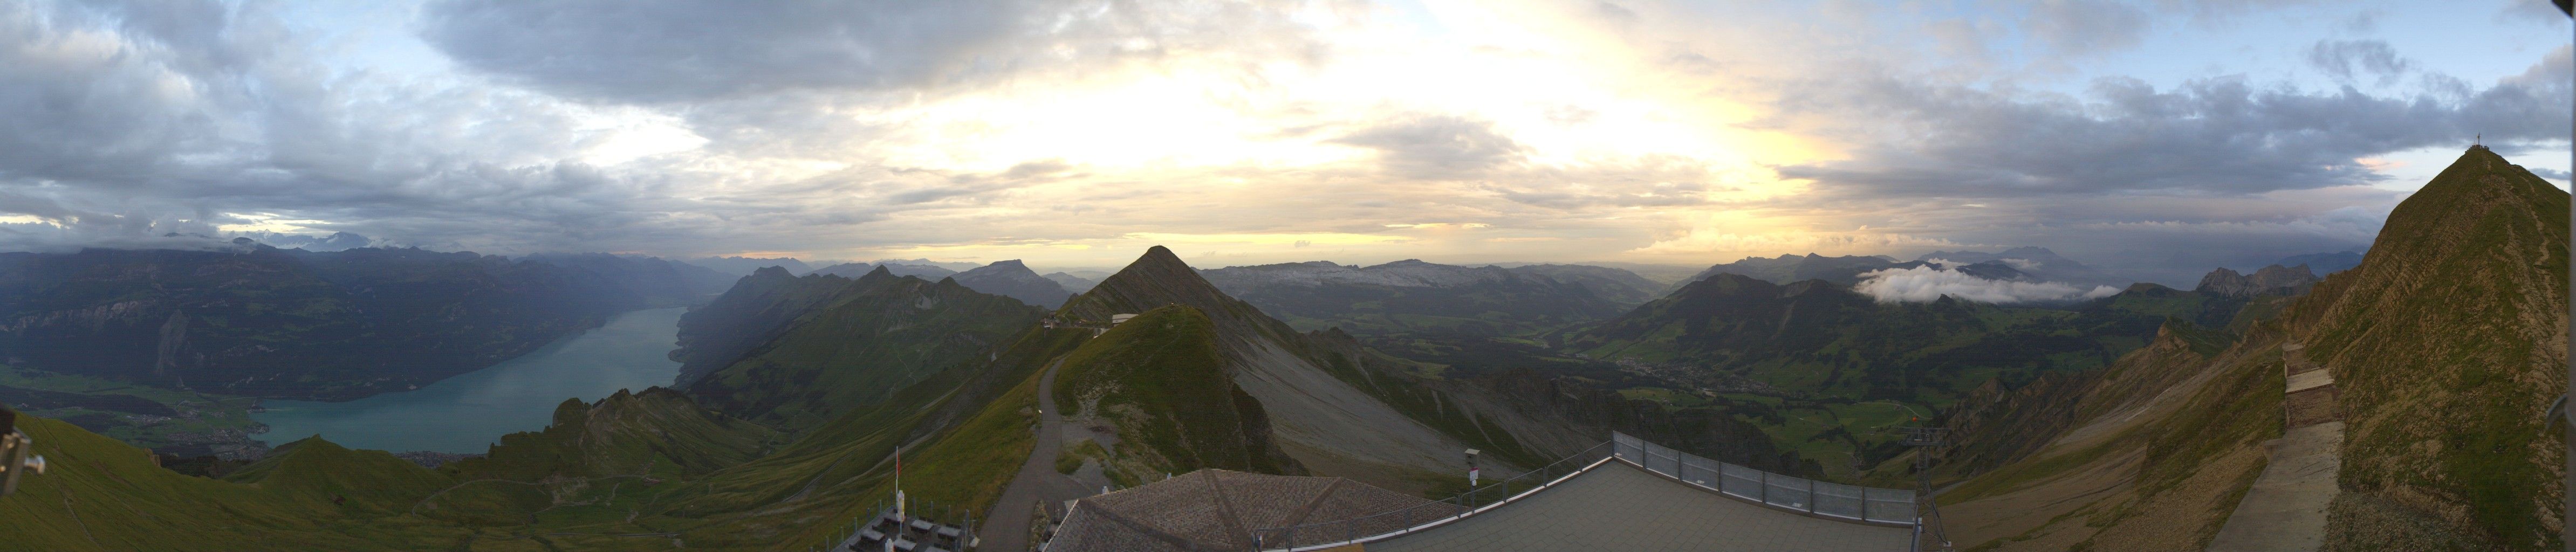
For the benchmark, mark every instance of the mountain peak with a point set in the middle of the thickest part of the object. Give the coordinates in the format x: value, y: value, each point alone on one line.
x: 772, y: 272
x: 2274, y: 279
x: 2456, y: 318
x: 1014, y: 279
x: 1157, y: 279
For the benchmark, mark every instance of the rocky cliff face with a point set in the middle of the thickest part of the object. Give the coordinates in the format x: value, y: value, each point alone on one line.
x: 2270, y: 280
x: 1015, y: 280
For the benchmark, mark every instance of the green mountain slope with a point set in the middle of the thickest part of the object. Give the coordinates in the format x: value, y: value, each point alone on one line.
x: 2443, y: 345
x: 1826, y: 370
x: 1335, y: 407
x: 1161, y: 381
x: 2446, y: 343
x: 102, y: 495
x: 658, y: 433
x: 755, y: 310
x: 872, y: 337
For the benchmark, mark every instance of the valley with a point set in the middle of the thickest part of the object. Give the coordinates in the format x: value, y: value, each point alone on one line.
x: 466, y: 413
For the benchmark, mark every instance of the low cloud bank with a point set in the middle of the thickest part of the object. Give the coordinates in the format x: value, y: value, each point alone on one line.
x: 1925, y: 283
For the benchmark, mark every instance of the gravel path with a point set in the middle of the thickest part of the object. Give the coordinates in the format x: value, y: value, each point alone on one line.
x: 1007, y: 530
x: 2286, y: 508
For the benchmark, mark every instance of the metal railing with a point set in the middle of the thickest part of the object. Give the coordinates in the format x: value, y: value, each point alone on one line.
x: 1852, y: 502
x: 1327, y: 534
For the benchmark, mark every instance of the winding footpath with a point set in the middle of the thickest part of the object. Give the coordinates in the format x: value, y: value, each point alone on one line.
x: 1037, y: 483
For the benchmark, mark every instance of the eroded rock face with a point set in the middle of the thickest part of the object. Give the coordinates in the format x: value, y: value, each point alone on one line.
x: 2273, y: 280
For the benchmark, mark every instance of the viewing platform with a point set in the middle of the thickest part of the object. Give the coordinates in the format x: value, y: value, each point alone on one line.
x: 1626, y: 494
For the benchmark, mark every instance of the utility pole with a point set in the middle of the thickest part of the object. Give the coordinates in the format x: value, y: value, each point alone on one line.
x: 1925, y: 440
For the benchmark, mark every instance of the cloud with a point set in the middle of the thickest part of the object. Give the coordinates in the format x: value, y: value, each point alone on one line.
x: 673, y: 50
x: 1706, y: 241
x: 2085, y: 26
x: 2218, y: 136
x: 1436, y: 146
x: 2346, y: 59
x: 680, y: 50
x: 335, y: 242
x: 1925, y: 283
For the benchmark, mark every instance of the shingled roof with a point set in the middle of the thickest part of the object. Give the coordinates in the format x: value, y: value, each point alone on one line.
x: 1215, y: 509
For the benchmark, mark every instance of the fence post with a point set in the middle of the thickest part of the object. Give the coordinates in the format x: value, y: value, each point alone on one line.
x: 1811, y: 496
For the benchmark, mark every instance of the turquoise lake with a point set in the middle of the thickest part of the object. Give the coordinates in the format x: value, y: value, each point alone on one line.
x: 469, y: 412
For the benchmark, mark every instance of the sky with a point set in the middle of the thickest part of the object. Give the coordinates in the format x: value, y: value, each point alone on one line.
x: 2156, y: 138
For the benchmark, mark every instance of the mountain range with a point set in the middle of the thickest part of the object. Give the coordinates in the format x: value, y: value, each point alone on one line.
x: 745, y: 265
x: 2020, y: 264
x: 793, y: 352
x: 289, y: 323
x: 1412, y: 296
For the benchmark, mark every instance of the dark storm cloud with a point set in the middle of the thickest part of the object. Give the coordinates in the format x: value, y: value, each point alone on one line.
x: 1437, y: 146
x: 2207, y: 136
x: 2348, y: 59
x: 131, y: 121
x: 82, y: 108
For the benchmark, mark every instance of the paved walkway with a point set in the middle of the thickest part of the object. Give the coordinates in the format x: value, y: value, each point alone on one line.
x: 1617, y: 506
x: 2286, y: 509
x: 1007, y: 530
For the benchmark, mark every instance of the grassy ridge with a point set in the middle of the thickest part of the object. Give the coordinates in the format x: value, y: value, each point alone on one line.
x: 104, y: 495
x: 880, y: 336
x: 1161, y: 379
x: 2446, y: 344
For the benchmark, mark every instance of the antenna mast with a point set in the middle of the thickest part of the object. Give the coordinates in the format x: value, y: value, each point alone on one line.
x: 1925, y: 440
